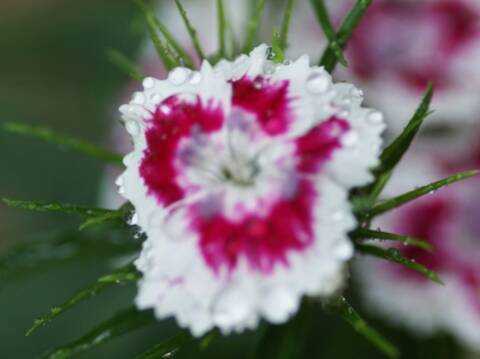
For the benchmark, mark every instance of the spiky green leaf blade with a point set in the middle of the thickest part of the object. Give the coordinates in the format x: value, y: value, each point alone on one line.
x: 222, y: 29
x: 402, y: 199
x: 341, y: 307
x: 123, y: 275
x: 169, y: 61
x: 167, y: 348
x: 329, y: 58
x: 286, y: 341
x: 394, y: 255
x: 327, y: 27
x: 57, y: 207
x: 365, y: 234
x: 277, y: 52
x: 191, y: 30
x: 283, y: 42
x: 121, y: 323
x: 124, y: 64
x: 253, y: 26
x: 116, y: 216
x: 65, y: 141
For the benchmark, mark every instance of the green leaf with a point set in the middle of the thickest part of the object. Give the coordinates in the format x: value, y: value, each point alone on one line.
x: 277, y: 51
x: 191, y: 30
x: 253, y: 26
x: 392, y: 154
x: 348, y: 313
x: 286, y: 25
x: 329, y: 58
x: 329, y: 31
x: 63, y: 140
x: 394, y: 255
x: 169, y: 61
x: 102, y: 218
x: 125, y: 64
x: 167, y: 348
x: 122, y: 323
x: 57, y: 207
x: 364, y: 233
x: 286, y: 341
x: 62, y: 246
x: 398, y: 201
x: 221, y: 28
x: 123, y: 275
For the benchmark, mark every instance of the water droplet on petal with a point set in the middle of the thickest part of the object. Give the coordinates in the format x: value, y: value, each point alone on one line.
x: 375, y: 118
x: 196, y: 78
x: 132, y: 127
x: 344, y: 250
x: 269, y: 68
x: 138, y: 98
x: 350, y: 139
x: 149, y: 83
x: 119, y: 181
x: 258, y: 84
x: 178, y: 76
x: 317, y: 83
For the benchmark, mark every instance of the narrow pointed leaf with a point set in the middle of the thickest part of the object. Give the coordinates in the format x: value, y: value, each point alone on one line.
x: 286, y: 341
x: 350, y: 315
x: 117, y: 216
x: 328, y: 30
x: 286, y: 25
x: 394, y: 255
x: 253, y: 26
x: 168, y: 348
x: 364, y: 233
x: 57, y: 207
x: 191, y: 30
x: 277, y: 51
x: 398, y: 201
x: 120, y: 276
x: 329, y: 58
x: 122, y: 323
x: 222, y: 27
x: 168, y: 61
x: 63, y: 140
x: 123, y: 63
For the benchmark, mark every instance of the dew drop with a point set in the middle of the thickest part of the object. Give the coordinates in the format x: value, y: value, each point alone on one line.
x: 258, y: 84
x: 178, y: 76
x: 148, y: 83
x: 375, y: 118
x: 119, y: 181
x: 317, y: 83
x: 196, y: 78
x: 138, y: 99
x: 350, y: 139
x: 132, y: 127
x: 269, y: 69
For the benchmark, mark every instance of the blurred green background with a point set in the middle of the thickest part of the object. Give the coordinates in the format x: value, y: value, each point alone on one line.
x: 54, y: 72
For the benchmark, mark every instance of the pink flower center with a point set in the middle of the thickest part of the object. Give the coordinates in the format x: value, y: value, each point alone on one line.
x: 276, y: 217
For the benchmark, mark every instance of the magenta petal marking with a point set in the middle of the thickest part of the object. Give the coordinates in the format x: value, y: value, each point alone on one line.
x: 262, y: 241
x: 268, y: 101
x: 173, y: 120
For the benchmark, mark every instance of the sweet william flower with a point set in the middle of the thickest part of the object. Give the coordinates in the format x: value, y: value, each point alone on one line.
x: 239, y: 178
x: 448, y: 219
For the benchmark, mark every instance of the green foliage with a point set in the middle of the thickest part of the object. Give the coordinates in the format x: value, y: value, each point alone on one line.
x: 222, y: 29
x: 253, y: 26
x: 122, y: 323
x: 286, y: 25
x: 394, y: 255
x: 167, y: 348
x: 63, y: 141
x: 398, y: 201
x: 191, y: 30
x: 277, y: 51
x: 124, y: 64
x: 57, y: 207
x: 329, y: 31
x: 329, y: 58
x: 123, y: 275
x: 341, y: 307
x: 363, y: 233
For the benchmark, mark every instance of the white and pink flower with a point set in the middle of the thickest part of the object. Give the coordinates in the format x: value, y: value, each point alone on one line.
x: 240, y: 177
x: 449, y: 220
